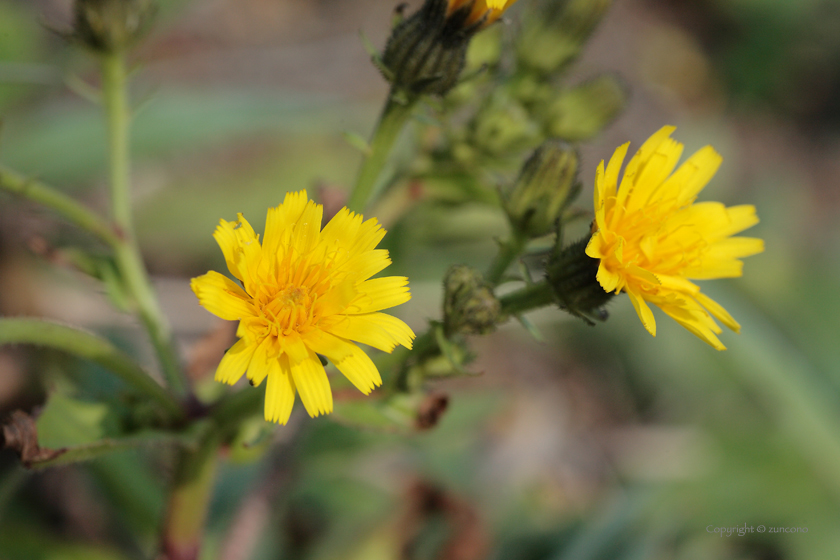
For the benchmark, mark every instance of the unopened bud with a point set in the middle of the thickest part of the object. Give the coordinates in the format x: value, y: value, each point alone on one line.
x: 111, y: 25
x: 546, y: 186
x: 426, y: 52
x: 503, y: 126
x: 582, y: 112
x: 572, y: 275
x: 555, y: 35
x: 469, y: 305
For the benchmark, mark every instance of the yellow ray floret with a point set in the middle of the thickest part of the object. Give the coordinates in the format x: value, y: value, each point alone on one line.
x: 652, y: 239
x: 304, y: 291
x: 484, y: 11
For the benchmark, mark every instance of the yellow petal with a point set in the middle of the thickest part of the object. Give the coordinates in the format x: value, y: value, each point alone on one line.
x: 693, y: 175
x: 614, y: 167
x: 281, y: 220
x: 379, y: 330
x: 710, y: 268
x: 341, y: 231
x: 368, y: 263
x: 677, y: 284
x: 350, y: 360
x: 650, y: 178
x: 235, y: 361
x: 313, y: 386
x: 644, y: 312
x: 381, y: 293
x: 360, y: 370
x: 261, y: 362
x: 595, y: 247
x: 598, y: 192
x: 740, y: 218
x: 735, y: 248
x: 222, y: 297
x: 638, y: 162
x: 327, y: 344
x: 369, y: 235
x: 607, y: 279
x: 256, y: 375
x: 307, y: 229
x: 718, y: 311
x: 294, y: 347
x: 694, y: 325
x: 279, y: 393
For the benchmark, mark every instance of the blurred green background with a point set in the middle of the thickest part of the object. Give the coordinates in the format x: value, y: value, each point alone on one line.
x: 597, y: 443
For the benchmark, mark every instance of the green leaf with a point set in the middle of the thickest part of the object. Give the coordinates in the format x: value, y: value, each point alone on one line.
x: 89, y: 346
x: 66, y: 421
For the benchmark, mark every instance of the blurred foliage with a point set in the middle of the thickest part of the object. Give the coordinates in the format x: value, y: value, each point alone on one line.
x: 774, y: 52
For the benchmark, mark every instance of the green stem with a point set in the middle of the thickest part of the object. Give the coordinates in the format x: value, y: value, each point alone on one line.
x: 132, y: 269
x: 394, y: 116
x: 115, y: 96
x: 508, y: 252
x: 86, y: 452
x: 189, y: 500
x: 91, y: 347
x: 59, y: 202
x: 528, y: 298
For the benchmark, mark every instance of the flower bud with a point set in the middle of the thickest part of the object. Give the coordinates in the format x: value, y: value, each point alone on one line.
x: 110, y: 25
x: 502, y: 127
x: 572, y: 275
x: 554, y: 36
x: 426, y: 52
x: 582, y: 112
x: 547, y: 184
x: 469, y: 305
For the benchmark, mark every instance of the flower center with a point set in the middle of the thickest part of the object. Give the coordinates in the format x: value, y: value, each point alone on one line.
x: 290, y: 309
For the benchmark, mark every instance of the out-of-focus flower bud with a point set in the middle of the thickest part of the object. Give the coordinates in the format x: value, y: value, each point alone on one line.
x: 426, y: 52
x: 582, y: 112
x: 469, y: 305
x: 503, y: 126
x: 546, y: 186
x: 572, y: 275
x: 554, y: 35
x: 111, y: 25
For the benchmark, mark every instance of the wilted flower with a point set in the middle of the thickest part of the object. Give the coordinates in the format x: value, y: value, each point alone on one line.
x: 651, y: 237
x: 306, y: 292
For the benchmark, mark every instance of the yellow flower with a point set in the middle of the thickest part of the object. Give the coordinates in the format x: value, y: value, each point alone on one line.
x: 307, y: 291
x: 492, y: 9
x: 652, y: 238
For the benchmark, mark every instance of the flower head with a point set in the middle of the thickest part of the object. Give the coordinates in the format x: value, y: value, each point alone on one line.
x: 651, y: 237
x: 305, y: 291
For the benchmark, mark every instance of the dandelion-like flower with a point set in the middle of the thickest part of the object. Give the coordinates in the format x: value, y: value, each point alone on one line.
x: 652, y: 238
x: 305, y: 291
